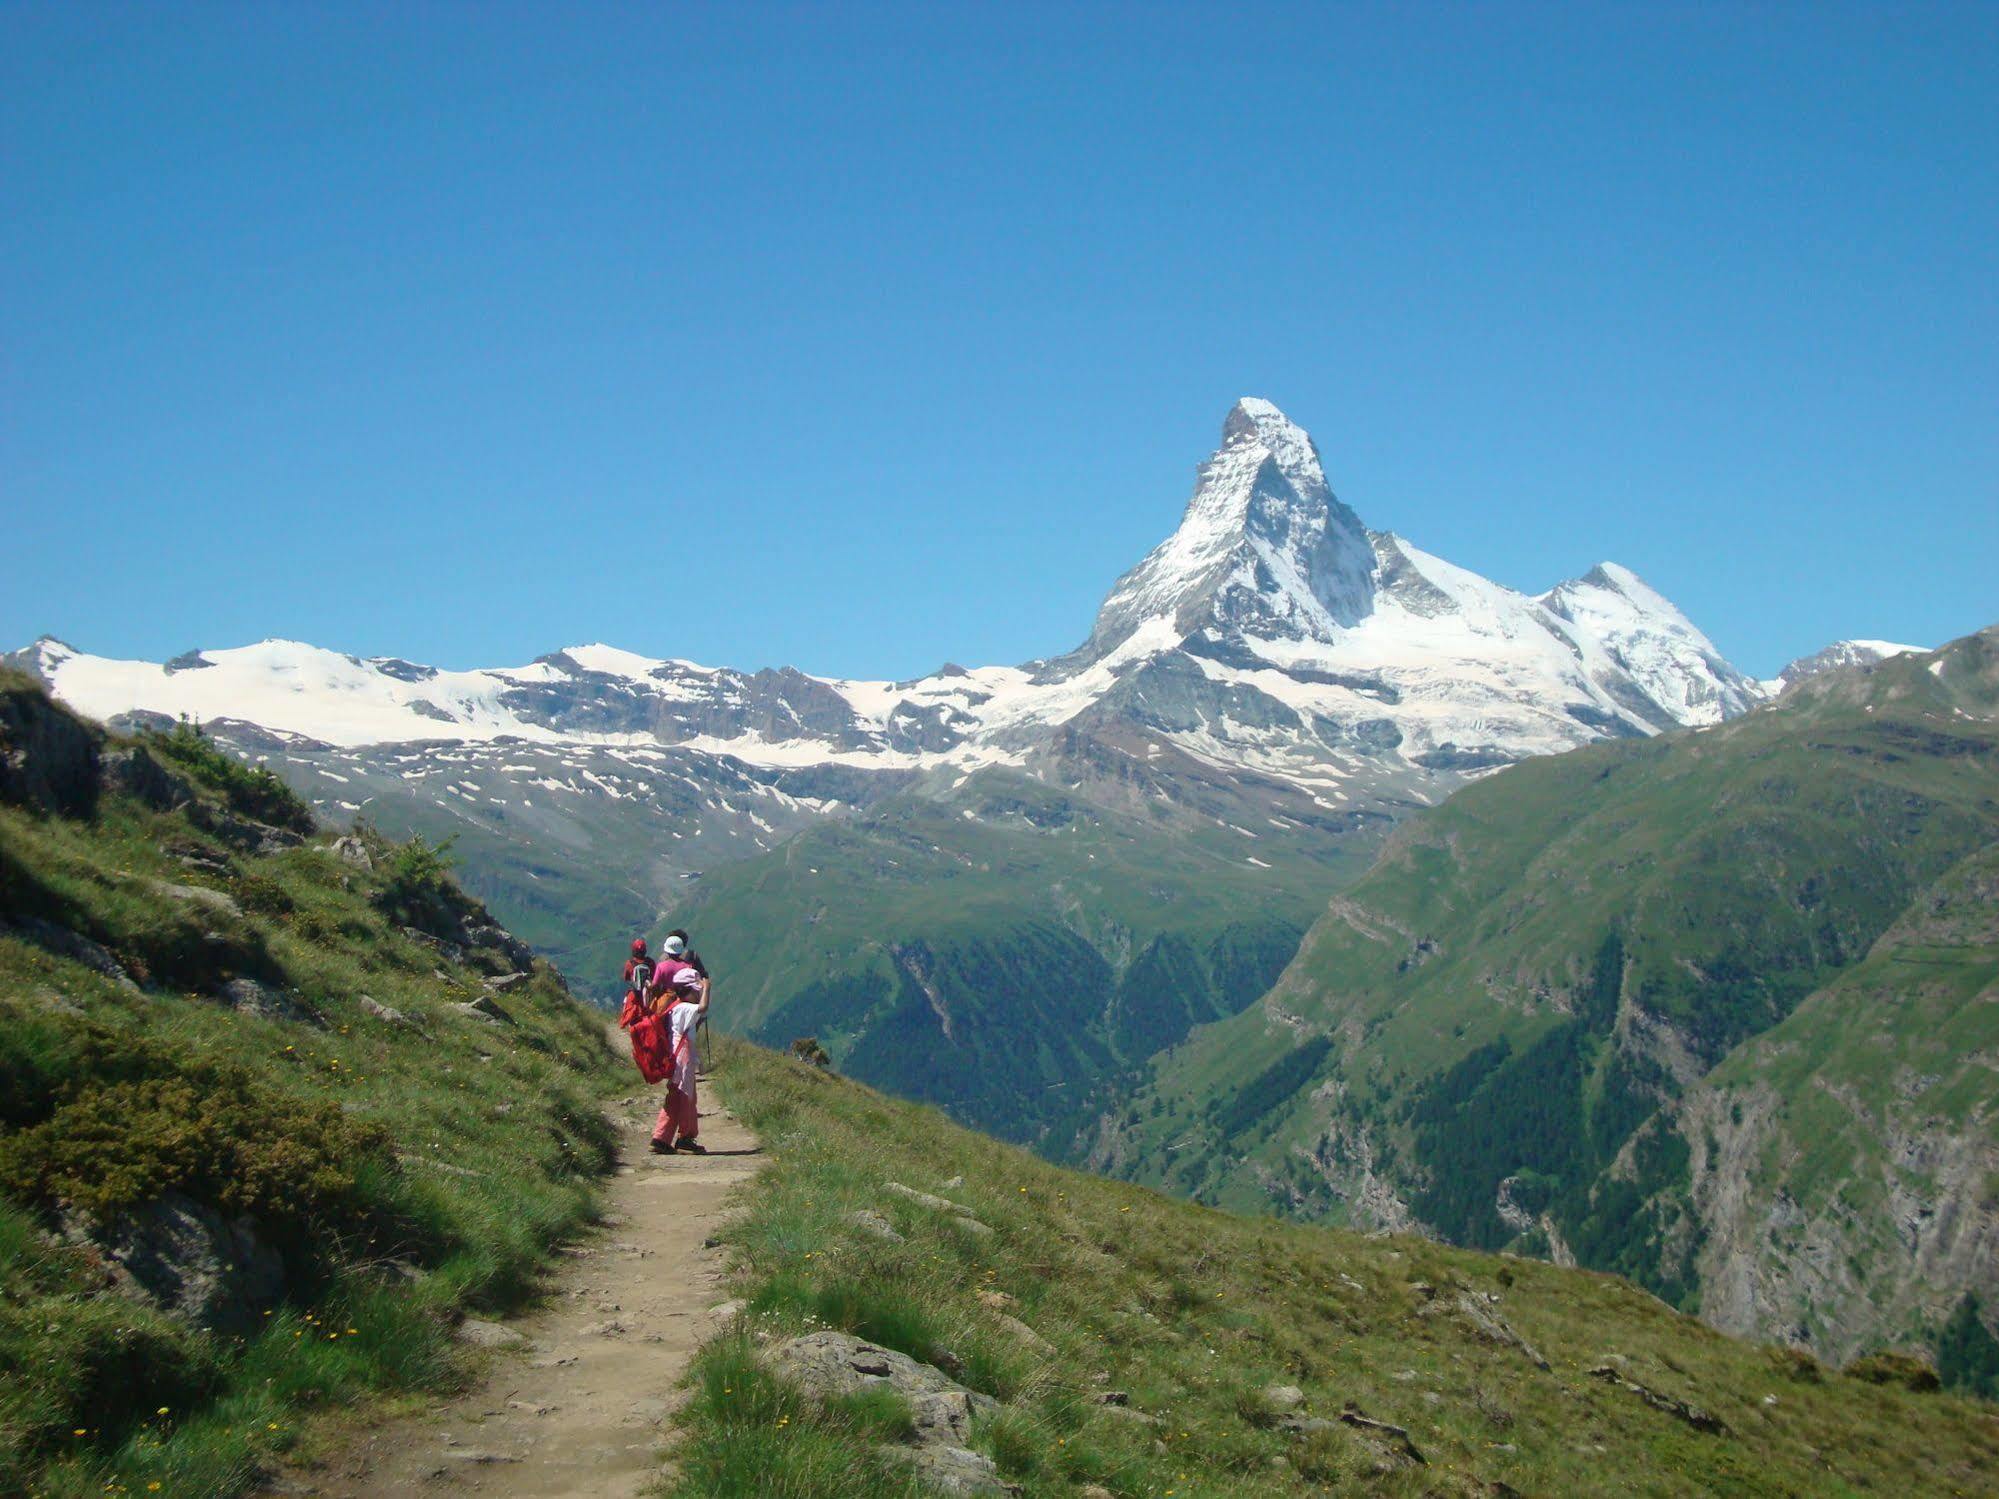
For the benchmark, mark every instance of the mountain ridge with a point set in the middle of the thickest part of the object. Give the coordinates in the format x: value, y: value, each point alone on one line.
x: 1270, y: 585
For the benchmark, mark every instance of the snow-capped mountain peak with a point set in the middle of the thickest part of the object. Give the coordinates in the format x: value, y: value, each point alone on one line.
x: 1253, y: 421
x: 1264, y: 547
x: 1839, y: 653
x: 1644, y: 633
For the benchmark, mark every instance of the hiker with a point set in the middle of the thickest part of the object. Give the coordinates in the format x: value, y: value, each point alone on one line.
x: 678, y: 948
x: 638, y: 984
x: 680, y: 1115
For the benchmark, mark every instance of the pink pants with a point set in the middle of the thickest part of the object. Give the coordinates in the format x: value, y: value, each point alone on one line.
x: 679, y: 1115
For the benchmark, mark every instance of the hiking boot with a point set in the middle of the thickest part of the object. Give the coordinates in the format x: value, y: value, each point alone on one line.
x: 662, y: 1147
x: 692, y: 1147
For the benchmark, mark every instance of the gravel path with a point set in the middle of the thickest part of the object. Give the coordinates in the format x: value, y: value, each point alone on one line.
x: 577, y: 1397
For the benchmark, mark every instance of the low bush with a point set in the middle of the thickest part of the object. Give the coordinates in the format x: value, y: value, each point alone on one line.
x: 215, y: 1134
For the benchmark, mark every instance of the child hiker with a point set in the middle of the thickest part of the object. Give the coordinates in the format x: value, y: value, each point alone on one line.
x: 680, y: 1116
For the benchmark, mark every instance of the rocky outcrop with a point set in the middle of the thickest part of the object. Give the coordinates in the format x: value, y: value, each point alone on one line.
x: 252, y: 997
x: 1680, y: 1410
x: 65, y: 943
x: 189, y: 1260
x: 131, y: 769
x: 827, y: 1365
x: 48, y: 756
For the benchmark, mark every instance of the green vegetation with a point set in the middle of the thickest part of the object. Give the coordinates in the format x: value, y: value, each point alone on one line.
x: 1521, y: 992
x: 1968, y: 1355
x: 208, y: 1009
x: 1009, y: 950
x: 1192, y: 1315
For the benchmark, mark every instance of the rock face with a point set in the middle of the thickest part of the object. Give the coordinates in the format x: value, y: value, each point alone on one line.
x: 188, y: 1259
x: 825, y: 1365
x: 1842, y: 1191
x: 48, y: 760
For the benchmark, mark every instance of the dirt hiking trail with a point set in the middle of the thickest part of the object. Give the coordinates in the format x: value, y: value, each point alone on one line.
x: 578, y: 1407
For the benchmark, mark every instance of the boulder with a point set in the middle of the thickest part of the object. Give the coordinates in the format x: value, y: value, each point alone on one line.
x: 1283, y: 1397
x: 492, y: 937
x: 954, y: 1470
x: 1025, y: 1334
x: 352, y: 851
x: 251, y: 997
x: 826, y: 1365
x: 387, y: 1014
x: 873, y: 1224
x: 1395, y: 1439
x: 481, y: 1334
x: 1127, y: 1413
x: 1303, y: 1426
x: 188, y: 1259
x: 78, y: 948
x: 485, y: 1010
x: 1680, y: 1410
x: 1486, y: 1322
x: 214, y: 901
x: 961, y: 1216
x: 925, y: 1199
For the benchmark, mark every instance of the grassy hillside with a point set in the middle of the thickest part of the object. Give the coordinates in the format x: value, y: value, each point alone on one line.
x: 1010, y: 950
x: 1189, y: 1316
x: 256, y: 1158
x: 1475, y: 1035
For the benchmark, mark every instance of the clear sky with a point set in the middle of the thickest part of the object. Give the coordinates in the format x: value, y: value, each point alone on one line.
x: 860, y: 338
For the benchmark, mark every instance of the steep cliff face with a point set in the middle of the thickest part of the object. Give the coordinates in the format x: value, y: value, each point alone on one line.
x: 1842, y: 1166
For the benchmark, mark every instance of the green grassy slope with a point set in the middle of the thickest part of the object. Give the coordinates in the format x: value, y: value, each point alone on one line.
x: 1472, y: 1037
x: 1008, y: 950
x: 380, y: 1175
x: 1192, y: 1314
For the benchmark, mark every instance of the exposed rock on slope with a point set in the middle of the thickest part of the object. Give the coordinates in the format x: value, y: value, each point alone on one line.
x: 1841, y: 1165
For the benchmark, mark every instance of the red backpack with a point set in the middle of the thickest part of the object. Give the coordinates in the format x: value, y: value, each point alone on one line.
x: 652, y: 1048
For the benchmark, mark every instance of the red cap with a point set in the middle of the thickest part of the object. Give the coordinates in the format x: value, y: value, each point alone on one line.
x: 638, y: 947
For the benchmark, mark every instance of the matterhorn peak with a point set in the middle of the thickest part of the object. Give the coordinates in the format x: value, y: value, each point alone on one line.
x: 1253, y: 421
x: 1263, y: 548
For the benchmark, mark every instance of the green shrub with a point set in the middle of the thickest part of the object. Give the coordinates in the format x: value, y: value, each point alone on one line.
x: 418, y: 887
x: 1968, y: 1355
x: 1903, y: 1369
x: 220, y: 1137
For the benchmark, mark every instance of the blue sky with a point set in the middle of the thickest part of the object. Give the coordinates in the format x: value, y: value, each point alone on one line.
x: 862, y: 337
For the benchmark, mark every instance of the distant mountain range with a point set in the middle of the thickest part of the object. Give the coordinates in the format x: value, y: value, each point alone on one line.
x: 1259, y: 700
